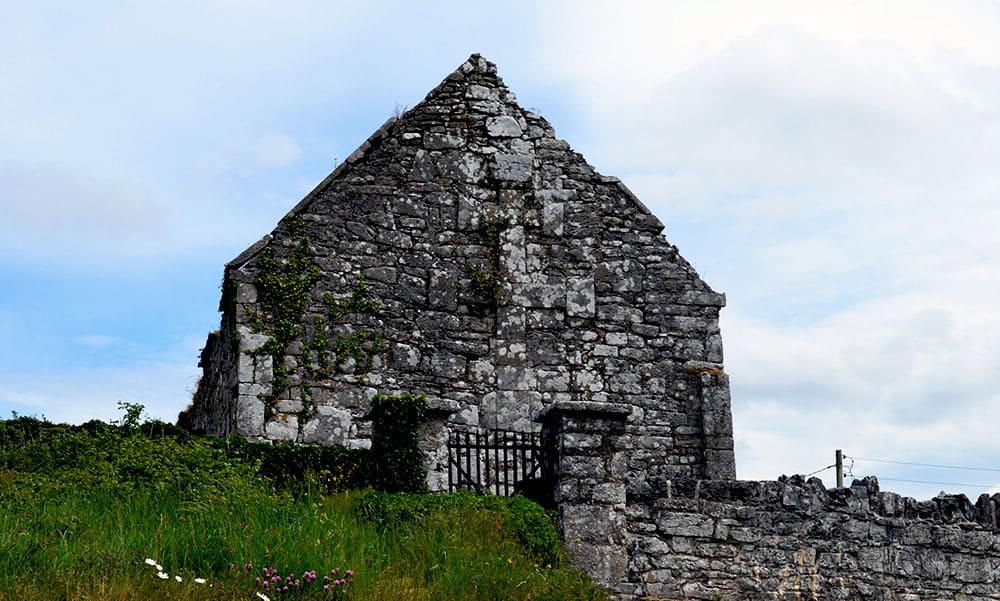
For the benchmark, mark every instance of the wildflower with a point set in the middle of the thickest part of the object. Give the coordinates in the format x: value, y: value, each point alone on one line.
x: 200, y: 580
x: 178, y: 579
x: 263, y: 596
x: 349, y: 573
x: 150, y: 562
x: 162, y: 575
x: 510, y: 560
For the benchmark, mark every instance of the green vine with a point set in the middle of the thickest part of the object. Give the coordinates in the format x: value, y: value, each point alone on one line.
x: 484, y: 282
x: 358, y: 345
x: 283, y: 294
x: 398, y: 462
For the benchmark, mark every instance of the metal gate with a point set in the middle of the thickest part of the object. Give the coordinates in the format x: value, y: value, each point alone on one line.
x: 496, y: 461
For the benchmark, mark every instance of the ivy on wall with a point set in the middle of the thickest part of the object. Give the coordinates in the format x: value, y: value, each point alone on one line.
x: 484, y: 281
x: 360, y: 346
x: 397, y: 461
x: 284, y: 294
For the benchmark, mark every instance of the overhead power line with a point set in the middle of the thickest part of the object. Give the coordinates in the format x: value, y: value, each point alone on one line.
x: 983, y: 486
x: 823, y: 469
x: 935, y: 465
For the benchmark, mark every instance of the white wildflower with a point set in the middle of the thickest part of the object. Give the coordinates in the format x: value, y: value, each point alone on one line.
x: 150, y: 562
x: 178, y: 579
x: 263, y: 596
x: 162, y: 575
x: 200, y: 580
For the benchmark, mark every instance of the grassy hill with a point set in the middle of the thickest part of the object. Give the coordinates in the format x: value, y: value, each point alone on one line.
x: 145, y: 511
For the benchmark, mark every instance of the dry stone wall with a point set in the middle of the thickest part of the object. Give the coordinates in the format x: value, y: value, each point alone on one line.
x: 504, y: 274
x: 793, y: 539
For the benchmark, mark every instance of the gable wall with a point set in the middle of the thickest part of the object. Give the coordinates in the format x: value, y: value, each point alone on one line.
x: 594, y: 305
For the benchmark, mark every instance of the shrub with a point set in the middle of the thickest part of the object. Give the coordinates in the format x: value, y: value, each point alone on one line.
x: 302, y: 468
x: 397, y: 461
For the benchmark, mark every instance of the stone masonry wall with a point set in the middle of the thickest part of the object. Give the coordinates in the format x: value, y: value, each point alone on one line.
x: 509, y: 275
x: 793, y: 539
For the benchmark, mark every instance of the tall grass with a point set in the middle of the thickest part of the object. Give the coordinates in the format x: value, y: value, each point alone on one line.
x: 81, y: 525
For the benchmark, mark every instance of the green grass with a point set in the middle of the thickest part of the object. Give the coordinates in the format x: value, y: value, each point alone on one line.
x: 80, y: 512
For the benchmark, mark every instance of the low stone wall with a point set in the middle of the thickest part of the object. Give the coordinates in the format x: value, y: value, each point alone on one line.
x: 793, y: 539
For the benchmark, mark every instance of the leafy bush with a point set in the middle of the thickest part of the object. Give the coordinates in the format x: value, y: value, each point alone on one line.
x: 36, y: 455
x: 302, y: 468
x: 397, y: 461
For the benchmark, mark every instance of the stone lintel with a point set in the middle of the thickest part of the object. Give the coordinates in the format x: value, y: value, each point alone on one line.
x: 589, y: 408
x: 442, y: 407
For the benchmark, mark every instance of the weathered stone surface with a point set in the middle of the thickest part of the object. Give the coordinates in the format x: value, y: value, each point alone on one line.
x: 503, y: 126
x: 798, y: 539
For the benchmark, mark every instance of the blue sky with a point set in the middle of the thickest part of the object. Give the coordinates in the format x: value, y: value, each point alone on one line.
x: 831, y: 167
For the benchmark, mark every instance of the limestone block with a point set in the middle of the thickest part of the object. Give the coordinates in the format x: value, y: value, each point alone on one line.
x: 553, y: 380
x: 685, y: 524
x: 512, y: 167
x: 249, y: 416
x: 282, y: 427
x: 443, y: 290
x: 515, y: 410
x: 478, y: 92
x: 424, y: 169
x: 551, y: 294
x: 247, y: 368
x: 288, y: 406
x: 511, y: 322
x: 447, y: 365
x: 481, y: 371
x: 438, y: 141
x: 552, y: 218
x: 581, y: 299
x: 330, y: 426
x: 462, y: 166
x: 251, y: 389
x: 617, y: 338
x: 503, y: 127
x: 604, y: 350
x: 588, y: 381
x: 511, y: 377
x: 515, y: 254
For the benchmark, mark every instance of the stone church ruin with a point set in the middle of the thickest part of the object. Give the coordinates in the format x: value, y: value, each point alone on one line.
x: 466, y: 253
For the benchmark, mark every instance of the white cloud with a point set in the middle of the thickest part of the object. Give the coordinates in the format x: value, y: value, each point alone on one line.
x: 52, y: 199
x: 277, y: 150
